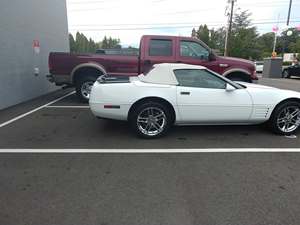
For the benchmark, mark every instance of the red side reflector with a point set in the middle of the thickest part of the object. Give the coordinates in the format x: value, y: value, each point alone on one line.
x: 111, y: 106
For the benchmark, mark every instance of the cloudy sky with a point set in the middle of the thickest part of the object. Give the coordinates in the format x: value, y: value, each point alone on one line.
x: 130, y: 19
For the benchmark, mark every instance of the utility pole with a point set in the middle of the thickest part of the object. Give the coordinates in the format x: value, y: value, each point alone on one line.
x: 228, y: 32
x: 287, y: 24
x: 289, y: 13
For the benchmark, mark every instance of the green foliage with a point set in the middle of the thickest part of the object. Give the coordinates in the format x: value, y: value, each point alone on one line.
x: 286, y: 63
x: 203, y: 34
x: 110, y: 43
x: 295, y: 46
x: 213, y: 38
x: 84, y: 45
x: 265, y: 45
x: 244, y: 41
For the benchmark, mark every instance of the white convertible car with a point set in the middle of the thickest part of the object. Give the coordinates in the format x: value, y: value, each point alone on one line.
x: 183, y: 94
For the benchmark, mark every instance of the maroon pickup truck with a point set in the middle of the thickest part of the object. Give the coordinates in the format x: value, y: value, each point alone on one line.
x: 81, y: 70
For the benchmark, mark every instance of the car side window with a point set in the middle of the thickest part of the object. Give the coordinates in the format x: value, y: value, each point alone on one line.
x: 160, y: 47
x: 200, y: 78
x: 193, y: 49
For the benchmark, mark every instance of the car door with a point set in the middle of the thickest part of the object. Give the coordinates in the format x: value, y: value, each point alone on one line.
x: 295, y: 70
x: 205, y: 97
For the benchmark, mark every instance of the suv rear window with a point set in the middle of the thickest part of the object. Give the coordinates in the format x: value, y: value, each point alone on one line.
x: 159, y: 47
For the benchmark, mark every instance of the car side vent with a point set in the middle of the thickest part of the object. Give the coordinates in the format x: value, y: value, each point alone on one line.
x: 261, y: 112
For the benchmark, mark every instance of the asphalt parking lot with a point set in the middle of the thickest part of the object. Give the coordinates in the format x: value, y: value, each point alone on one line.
x: 68, y: 123
x: 151, y: 189
x: 141, y: 188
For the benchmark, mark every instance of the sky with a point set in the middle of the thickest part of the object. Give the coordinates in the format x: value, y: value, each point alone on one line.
x: 130, y: 19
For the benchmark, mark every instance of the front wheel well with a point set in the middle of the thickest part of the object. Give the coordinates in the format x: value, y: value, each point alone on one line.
x: 284, y: 101
x: 154, y: 99
x: 86, y: 71
x: 241, y: 76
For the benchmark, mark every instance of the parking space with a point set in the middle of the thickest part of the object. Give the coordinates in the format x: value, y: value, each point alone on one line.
x: 68, y: 123
x: 187, y: 188
x: 134, y: 189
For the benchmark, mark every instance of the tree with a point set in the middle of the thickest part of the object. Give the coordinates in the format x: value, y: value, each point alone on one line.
x: 72, y: 43
x: 203, y: 34
x: 217, y: 38
x: 265, y: 44
x: 243, y: 38
x: 213, y: 38
x: 295, y: 46
x: 245, y: 42
x: 81, y: 44
x: 110, y: 43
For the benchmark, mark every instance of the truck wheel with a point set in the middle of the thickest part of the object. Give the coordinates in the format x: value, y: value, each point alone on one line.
x: 150, y: 120
x: 83, y: 88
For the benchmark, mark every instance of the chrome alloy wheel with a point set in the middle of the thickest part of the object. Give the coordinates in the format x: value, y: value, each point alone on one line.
x: 86, y: 88
x: 289, y: 119
x: 151, y: 121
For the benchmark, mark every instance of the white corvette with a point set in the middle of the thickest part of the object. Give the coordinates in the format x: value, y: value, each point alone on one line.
x: 183, y: 94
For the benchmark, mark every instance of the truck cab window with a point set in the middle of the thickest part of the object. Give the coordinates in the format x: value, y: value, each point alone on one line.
x: 160, y: 47
x: 193, y: 49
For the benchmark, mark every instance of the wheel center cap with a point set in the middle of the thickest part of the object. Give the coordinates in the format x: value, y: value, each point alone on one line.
x: 151, y: 119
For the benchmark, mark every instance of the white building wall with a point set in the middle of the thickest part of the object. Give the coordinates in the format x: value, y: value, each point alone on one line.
x: 21, y: 22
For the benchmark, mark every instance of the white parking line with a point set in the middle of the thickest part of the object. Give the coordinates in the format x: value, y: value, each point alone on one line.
x: 34, y: 110
x: 69, y: 106
x: 199, y: 150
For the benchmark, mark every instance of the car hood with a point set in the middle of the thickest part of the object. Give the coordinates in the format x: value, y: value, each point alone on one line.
x: 236, y: 60
x: 251, y: 85
x: 268, y: 95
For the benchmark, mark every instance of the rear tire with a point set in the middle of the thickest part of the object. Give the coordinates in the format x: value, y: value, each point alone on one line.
x: 150, y: 120
x: 285, y: 118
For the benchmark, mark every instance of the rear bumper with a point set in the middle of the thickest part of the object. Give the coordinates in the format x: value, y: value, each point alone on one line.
x: 99, y: 110
x: 59, y: 79
x: 50, y: 78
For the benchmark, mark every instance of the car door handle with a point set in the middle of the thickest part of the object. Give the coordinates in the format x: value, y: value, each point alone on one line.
x: 185, y: 93
x: 178, y: 61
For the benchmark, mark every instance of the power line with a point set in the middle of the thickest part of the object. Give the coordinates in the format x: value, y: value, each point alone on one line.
x: 167, y: 27
x: 176, y: 23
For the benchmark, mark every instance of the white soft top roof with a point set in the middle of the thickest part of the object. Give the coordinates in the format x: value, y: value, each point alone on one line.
x: 163, y: 73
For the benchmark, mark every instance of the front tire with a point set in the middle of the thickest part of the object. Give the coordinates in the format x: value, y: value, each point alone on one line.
x: 285, y: 119
x: 285, y: 74
x: 150, y: 120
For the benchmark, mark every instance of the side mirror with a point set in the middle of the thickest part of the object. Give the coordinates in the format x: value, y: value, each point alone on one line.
x: 229, y: 88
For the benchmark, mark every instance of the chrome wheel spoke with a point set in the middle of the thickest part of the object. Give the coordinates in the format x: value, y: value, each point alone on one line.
x: 289, y: 119
x: 148, y: 126
x: 156, y: 126
x: 281, y: 120
x: 86, y: 89
x: 151, y: 121
x: 295, y: 113
x: 142, y: 119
